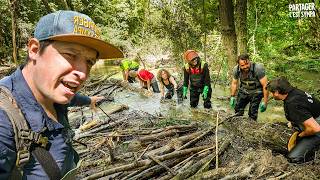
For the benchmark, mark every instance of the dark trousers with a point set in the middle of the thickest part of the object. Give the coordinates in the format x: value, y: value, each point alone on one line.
x: 132, y: 79
x: 154, y: 86
x: 305, y: 148
x: 170, y: 94
x: 195, y: 95
x: 243, y: 99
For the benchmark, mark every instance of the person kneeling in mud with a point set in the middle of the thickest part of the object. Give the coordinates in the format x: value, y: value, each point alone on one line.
x: 166, y: 80
x: 147, y: 80
x: 303, y: 112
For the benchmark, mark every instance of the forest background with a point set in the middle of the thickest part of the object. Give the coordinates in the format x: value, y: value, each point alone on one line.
x: 219, y: 29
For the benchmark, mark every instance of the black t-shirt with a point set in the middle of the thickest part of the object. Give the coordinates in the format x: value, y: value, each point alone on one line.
x: 300, y: 106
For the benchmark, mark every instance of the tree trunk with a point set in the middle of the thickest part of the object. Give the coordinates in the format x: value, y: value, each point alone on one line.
x: 64, y: 4
x: 241, y: 25
x: 205, y: 31
x: 12, y: 7
x: 46, y: 4
x: 69, y: 3
x: 228, y: 33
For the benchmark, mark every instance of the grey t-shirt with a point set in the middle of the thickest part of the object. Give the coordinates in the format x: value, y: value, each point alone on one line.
x: 259, y: 71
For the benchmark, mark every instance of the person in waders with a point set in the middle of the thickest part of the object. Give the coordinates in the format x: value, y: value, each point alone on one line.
x: 166, y: 80
x: 196, y: 72
x: 302, y: 110
x: 252, y: 88
x: 35, y: 135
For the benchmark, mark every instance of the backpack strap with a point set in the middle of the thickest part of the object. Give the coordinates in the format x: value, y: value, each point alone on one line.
x: 26, y: 140
x: 21, y: 130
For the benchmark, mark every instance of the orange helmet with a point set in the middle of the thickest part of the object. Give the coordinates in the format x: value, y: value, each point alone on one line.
x: 189, y: 55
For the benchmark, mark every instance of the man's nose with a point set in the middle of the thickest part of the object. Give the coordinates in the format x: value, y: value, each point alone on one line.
x: 81, y: 69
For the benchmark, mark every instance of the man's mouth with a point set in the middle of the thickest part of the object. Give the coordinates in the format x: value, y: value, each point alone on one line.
x: 71, y: 86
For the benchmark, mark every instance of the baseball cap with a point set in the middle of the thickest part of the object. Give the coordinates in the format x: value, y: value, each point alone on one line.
x: 71, y: 26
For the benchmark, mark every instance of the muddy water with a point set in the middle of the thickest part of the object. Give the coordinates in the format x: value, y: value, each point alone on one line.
x: 170, y: 108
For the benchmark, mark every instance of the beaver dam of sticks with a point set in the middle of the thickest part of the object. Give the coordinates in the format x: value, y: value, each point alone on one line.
x: 118, y: 143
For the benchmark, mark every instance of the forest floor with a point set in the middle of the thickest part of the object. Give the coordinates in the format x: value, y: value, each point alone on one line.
x: 118, y: 142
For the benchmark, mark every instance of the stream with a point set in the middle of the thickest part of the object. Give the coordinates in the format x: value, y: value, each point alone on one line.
x: 170, y: 108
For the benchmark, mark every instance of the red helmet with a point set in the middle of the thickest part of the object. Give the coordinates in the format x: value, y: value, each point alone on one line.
x: 189, y: 55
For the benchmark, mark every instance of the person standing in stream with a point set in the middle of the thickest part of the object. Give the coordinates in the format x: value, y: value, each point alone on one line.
x: 196, y: 72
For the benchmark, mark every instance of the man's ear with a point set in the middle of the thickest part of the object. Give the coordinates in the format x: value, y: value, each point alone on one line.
x: 33, y: 48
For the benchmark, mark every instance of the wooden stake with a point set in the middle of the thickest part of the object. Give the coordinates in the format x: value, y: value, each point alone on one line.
x: 217, y: 148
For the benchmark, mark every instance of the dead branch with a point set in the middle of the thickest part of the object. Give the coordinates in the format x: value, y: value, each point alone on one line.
x: 245, y: 173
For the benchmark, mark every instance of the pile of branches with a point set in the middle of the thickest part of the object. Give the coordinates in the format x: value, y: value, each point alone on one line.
x: 136, y: 145
x: 134, y: 149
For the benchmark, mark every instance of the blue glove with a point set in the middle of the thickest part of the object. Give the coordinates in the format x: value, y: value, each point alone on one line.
x: 205, y: 92
x: 263, y: 107
x: 232, y: 102
x: 184, y: 92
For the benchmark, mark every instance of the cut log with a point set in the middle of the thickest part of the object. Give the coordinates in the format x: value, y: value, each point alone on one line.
x: 80, y: 135
x: 212, y: 174
x: 195, y: 167
x: 173, y: 144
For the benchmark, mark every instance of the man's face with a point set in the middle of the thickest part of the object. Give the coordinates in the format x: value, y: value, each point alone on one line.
x: 61, y: 70
x: 276, y: 95
x: 244, y: 65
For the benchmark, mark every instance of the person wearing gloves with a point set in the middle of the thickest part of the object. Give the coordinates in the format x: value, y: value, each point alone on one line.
x: 196, y: 72
x: 252, y: 88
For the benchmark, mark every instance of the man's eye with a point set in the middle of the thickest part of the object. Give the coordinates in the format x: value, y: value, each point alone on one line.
x: 68, y: 56
x: 91, y: 62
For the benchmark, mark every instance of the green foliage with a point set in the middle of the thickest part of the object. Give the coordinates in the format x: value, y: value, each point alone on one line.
x: 286, y: 46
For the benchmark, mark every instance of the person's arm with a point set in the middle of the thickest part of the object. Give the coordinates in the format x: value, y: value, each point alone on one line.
x: 185, y: 78
x: 161, y: 89
x: 264, y: 82
x: 175, y: 85
x: 125, y: 74
x: 7, y: 147
x: 80, y: 100
x: 149, y: 84
x: 206, y: 75
x: 234, y: 85
x: 311, y: 127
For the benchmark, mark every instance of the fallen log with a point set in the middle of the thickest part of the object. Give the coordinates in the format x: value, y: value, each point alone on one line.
x: 103, y: 78
x: 174, y: 144
x: 79, y: 135
x: 195, y: 167
x: 245, y: 173
x: 211, y: 174
x: 154, y: 170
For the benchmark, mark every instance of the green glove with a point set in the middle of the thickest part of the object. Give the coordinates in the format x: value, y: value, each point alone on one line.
x: 263, y: 107
x: 184, y: 92
x: 232, y: 102
x: 205, y: 92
